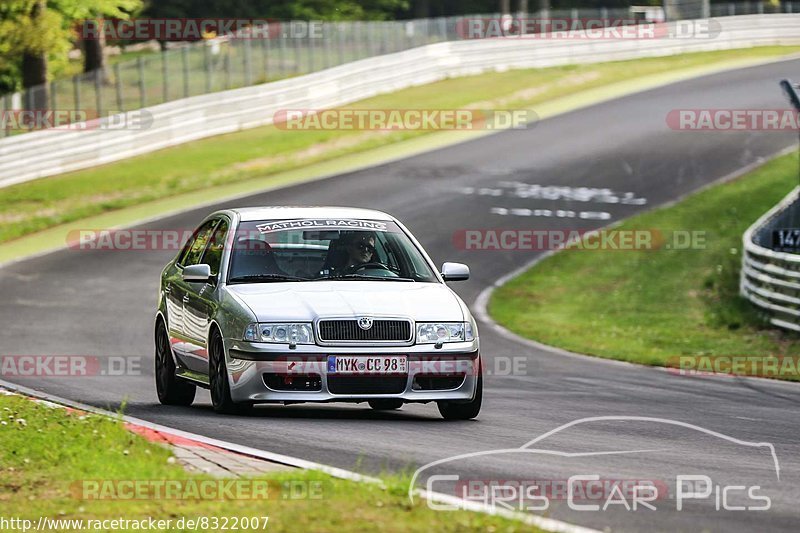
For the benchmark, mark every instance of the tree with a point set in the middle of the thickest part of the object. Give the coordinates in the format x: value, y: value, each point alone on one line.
x: 29, y: 36
x: 34, y: 57
x: 35, y: 34
x: 83, y: 11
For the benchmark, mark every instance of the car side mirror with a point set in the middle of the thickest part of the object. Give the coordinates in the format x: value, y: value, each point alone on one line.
x: 455, y: 272
x: 201, y: 273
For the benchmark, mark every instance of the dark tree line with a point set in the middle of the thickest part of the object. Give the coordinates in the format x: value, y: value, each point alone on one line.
x: 361, y: 9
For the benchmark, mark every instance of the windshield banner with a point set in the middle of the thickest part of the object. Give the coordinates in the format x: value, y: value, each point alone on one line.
x: 283, y: 225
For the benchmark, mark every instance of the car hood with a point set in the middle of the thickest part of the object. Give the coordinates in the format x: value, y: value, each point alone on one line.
x: 305, y: 301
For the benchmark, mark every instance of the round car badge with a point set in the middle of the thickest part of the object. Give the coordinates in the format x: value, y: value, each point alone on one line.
x: 365, y: 322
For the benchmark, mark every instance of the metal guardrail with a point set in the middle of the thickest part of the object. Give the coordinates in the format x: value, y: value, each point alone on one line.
x: 770, y: 279
x: 46, y: 153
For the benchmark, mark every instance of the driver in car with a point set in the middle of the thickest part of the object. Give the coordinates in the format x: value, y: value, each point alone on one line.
x: 360, y: 249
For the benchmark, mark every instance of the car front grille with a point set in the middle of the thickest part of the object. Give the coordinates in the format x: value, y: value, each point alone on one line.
x: 350, y: 331
x: 366, y: 384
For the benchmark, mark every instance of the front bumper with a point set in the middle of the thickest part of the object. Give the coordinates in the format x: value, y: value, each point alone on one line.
x: 262, y: 373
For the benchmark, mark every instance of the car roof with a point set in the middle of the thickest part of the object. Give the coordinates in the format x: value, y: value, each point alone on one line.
x: 247, y: 214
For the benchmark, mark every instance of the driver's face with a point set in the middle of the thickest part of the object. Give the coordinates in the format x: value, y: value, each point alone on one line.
x: 361, y: 250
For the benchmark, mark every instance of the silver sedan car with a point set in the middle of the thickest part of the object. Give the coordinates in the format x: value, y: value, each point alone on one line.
x: 314, y: 304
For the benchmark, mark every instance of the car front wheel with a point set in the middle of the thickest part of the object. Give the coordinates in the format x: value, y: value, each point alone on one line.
x: 171, y: 389
x: 218, y: 379
x: 455, y: 410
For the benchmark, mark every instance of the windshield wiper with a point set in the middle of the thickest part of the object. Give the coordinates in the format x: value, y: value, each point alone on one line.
x: 266, y: 278
x: 359, y: 276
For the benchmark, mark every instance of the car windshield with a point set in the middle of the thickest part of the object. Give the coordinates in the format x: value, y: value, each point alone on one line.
x: 315, y: 250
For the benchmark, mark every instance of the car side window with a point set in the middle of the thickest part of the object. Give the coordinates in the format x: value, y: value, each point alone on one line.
x: 195, y: 250
x: 213, y: 255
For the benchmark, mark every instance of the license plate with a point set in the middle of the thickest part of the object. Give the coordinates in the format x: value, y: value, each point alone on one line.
x: 370, y: 364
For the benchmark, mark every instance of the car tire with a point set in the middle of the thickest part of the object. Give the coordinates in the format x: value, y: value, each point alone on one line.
x: 386, y: 404
x: 455, y: 410
x: 218, y: 379
x: 171, y: 390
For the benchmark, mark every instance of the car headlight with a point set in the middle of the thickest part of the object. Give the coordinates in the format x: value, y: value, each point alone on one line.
x: 434, y: 333
x: 291, y: 333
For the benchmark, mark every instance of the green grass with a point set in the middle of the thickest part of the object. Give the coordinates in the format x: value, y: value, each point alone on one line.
x: 261, y: 153
x: 649, y: 306
x: 45, y: 458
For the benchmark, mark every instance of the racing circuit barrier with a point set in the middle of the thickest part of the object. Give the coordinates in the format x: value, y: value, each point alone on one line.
x: 770, y: 279
x: 49, y: 152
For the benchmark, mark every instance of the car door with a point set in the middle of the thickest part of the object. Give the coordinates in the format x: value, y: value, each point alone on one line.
x: 179, y: 295
x: 174, y: 290
x: 173, y: 297
x: 201, y: 300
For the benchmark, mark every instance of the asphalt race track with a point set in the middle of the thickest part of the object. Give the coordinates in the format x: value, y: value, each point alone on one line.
x: 102, y: 303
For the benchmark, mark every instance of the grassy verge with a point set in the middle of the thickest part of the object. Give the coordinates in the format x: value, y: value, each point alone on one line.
x: 649, y: 306
x: 47, y: 453
x: 262, y: 153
